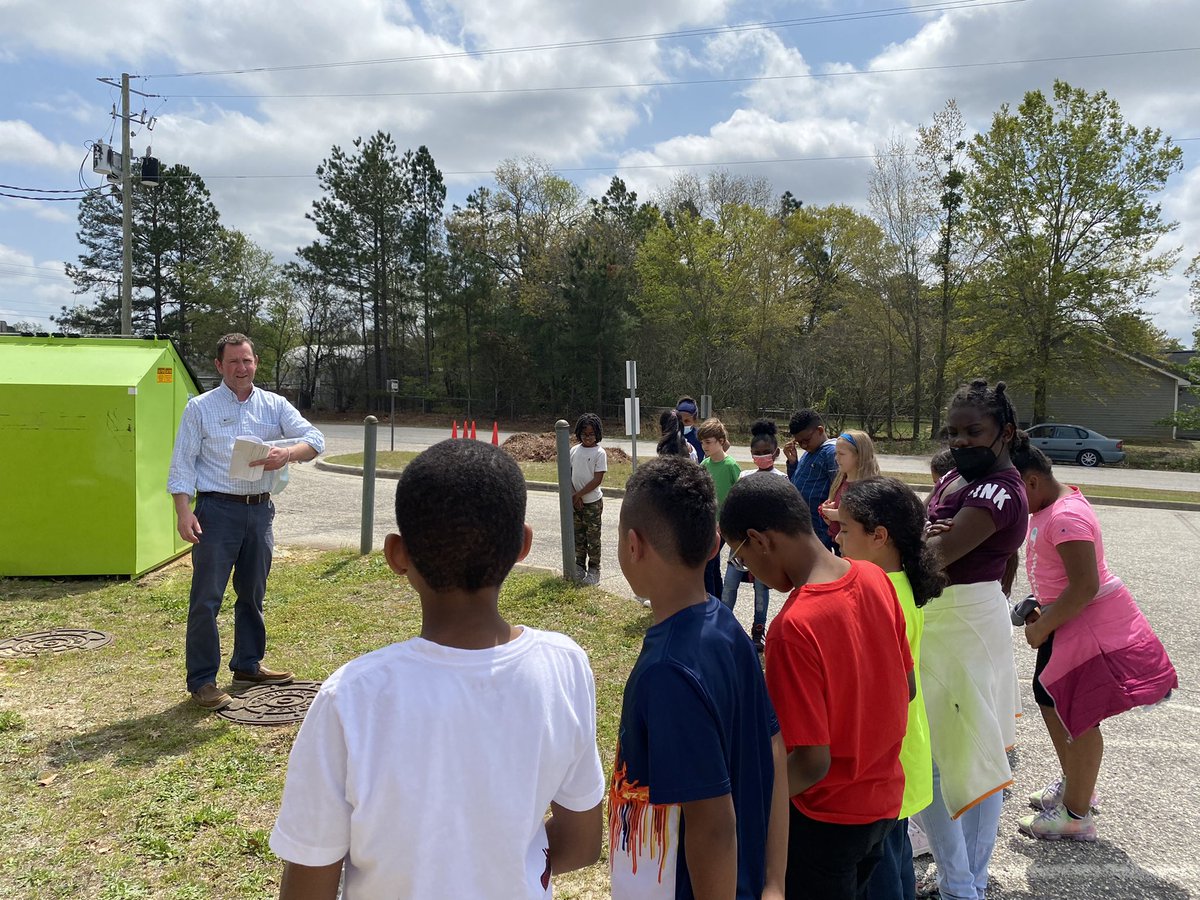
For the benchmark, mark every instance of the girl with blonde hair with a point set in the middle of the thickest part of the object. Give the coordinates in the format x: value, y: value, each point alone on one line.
x: 855, y: 452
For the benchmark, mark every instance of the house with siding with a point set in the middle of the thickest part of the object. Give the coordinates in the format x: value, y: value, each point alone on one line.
x: 1126, y: 400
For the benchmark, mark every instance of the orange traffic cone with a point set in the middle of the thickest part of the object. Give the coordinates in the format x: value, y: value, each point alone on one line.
x: 495, y: 434
x: 473, y: 437
x: 454, y: 429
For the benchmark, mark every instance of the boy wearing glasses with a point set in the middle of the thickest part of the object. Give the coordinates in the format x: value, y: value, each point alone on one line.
x: 698, y: 800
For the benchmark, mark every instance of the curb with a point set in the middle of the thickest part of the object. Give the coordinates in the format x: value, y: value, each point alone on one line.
x: 1174, y: 505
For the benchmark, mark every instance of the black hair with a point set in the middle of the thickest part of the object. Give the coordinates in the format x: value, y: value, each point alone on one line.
x: 1028, y: 458
x: 992, y: 401
x: 804, y: 420
x: 673, y: 443
x: 589, y: 419
x: 764, y: 502
x: 764, y: 430
x: 942, y: 462
x: 460, y: 507
x: 885, y: 501
x: 672, y: 503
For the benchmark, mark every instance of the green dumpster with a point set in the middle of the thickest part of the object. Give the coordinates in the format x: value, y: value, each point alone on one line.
x: 86, y: 430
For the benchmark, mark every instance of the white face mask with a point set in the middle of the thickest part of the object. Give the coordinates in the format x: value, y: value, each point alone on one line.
x: 688, y: 429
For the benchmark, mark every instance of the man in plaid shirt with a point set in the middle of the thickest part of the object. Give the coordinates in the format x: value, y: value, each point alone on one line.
x: 812, y: 473
x: 231, y: 523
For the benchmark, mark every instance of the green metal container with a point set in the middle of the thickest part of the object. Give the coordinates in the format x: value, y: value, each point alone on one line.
x: 86, y: 430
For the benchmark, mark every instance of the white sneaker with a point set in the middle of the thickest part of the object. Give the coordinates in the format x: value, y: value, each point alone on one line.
x: 645, y: 601
x: 919, y: 839
x: 1051, y: 796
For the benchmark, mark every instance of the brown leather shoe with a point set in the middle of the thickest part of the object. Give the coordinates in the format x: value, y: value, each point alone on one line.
x: 211, y: 697
x: 262, y: 675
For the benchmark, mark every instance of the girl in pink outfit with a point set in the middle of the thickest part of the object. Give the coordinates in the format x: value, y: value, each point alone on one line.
x: 1097, y: 655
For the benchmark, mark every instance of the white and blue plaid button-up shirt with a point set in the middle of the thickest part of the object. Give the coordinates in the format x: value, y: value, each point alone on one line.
x: 211, y: 422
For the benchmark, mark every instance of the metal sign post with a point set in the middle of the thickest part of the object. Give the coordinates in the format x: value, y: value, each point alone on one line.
x: 393, y: 389
x: 562, y: 449
x: 633, y: 412
x: 705, y: 406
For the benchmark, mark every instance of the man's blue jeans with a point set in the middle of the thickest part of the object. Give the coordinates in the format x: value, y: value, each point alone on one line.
x: 237, y: 538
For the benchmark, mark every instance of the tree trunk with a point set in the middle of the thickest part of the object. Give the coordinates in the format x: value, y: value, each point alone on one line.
x: 943, y: 351
x: 918, y: 352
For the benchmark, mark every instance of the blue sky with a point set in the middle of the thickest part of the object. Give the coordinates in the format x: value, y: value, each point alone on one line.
x: 52, y: 104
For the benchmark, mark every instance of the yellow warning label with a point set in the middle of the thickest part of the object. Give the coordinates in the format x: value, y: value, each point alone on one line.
x: 166, y: 376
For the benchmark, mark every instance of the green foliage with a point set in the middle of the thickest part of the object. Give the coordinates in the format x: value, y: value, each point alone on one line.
x: 1062, y: 199
x: 1021, y: 254
x: 175, y: 229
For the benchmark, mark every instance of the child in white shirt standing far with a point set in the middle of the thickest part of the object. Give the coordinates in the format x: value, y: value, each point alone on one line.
x: 588, y: 465
x: 425, y: 769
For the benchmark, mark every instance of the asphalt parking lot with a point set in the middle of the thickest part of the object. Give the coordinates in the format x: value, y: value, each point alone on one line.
x: 1150, y: 781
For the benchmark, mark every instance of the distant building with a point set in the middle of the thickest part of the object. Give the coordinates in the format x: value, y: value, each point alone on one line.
x: 1129, y: 401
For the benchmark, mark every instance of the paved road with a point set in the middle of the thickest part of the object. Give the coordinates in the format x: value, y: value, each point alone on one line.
x: 1150, y: 783
x: 349, y: 439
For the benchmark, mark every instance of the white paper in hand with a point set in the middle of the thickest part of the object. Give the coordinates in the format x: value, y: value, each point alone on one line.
x: 246, y: 449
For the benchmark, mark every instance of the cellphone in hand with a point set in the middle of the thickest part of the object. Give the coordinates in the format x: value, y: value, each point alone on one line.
x: 1025, y: 609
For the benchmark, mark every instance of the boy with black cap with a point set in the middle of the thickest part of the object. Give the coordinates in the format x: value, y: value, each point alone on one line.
x: 425, y: 769
x: 688, y: 410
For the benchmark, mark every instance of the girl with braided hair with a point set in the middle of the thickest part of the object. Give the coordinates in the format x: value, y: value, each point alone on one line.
x: 978, y: 514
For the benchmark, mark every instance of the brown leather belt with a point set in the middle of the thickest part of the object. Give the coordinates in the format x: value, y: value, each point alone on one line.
x: 245, y: 499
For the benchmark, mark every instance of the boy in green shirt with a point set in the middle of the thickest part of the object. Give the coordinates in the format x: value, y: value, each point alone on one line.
x: 725, y: 472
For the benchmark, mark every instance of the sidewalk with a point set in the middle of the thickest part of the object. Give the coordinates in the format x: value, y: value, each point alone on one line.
x: 343, y: 438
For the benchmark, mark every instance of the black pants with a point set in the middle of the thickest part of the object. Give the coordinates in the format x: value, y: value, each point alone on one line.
x: 832, y: 862
x: 1040, y: 694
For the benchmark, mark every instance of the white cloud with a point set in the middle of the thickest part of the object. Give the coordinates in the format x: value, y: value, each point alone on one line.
x: 777, y: 117
x: 31, y: 290
x: 23, y: 145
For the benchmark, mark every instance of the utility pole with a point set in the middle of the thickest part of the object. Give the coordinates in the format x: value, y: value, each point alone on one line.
x: 126, y: 215
x: 126, y: 177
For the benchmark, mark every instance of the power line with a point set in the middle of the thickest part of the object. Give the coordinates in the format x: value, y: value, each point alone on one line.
x: 29, y: 190
x: 833, y: 18
x: 43, y: 199
x: 24, y: 266
x: 59, y: 278
x: 686, y: 83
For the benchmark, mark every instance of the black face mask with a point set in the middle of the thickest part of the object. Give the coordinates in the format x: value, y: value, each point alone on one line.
x: 974, y: 462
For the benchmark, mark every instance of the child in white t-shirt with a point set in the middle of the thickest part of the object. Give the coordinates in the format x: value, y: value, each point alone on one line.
x: 588, y: 465
x: 425, y: 769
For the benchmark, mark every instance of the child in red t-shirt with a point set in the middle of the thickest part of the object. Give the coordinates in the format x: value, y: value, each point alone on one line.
x: 840, y: 675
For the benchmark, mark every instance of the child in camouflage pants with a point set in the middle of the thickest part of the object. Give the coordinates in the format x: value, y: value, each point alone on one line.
x: 588, y: 465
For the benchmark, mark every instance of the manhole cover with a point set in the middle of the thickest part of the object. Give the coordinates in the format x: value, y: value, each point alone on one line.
x: 54, y: 641
x: 272, y: 704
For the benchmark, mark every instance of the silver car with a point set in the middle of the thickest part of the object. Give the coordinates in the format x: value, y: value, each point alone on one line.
x: 1074, y: 443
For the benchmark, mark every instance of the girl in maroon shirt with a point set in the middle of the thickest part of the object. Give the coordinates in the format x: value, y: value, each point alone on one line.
x: 978, y: 515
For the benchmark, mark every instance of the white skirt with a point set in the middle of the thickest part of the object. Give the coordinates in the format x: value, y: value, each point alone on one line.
x: 969, y: 679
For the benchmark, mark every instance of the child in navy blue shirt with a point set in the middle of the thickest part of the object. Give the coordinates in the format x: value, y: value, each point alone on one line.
x: 698, y: 802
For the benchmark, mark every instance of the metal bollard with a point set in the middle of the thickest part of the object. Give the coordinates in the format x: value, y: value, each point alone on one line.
x: 562, y: 445
x: 368, y: 477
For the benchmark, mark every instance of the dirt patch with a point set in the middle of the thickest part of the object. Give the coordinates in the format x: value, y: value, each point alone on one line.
x: 528, y: 447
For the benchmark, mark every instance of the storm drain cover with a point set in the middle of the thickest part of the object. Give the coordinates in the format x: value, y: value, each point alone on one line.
x: 272, y: 704
x: 54, y: 641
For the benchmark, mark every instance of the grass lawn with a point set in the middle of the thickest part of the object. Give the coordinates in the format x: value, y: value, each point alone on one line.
x: 115, y: 786
x: 619, y: 473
